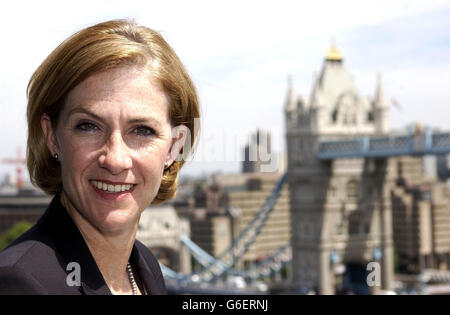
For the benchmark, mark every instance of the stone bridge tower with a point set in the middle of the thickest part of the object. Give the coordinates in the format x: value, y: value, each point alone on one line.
x: 340, y: 209
x: 160, y: 229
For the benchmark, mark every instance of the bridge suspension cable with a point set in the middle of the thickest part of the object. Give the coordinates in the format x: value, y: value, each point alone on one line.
x: 212, y: 267
x: 248, y: 235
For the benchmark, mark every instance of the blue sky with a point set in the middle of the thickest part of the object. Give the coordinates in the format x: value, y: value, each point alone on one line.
x: 239, y: 54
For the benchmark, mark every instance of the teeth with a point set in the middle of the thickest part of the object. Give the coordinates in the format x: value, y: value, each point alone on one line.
x: 111, y: 188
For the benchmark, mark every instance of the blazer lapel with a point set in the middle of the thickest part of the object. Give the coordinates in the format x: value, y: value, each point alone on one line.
x: 146, y: 275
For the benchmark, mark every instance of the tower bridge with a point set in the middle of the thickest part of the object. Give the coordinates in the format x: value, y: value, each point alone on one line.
x: 341, y: 171
x: 208, y: 279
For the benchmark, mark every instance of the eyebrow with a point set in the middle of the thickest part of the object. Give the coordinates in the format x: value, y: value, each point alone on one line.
x: 83, y: 110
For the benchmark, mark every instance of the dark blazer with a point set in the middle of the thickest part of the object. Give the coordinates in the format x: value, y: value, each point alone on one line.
x: 37, y: 262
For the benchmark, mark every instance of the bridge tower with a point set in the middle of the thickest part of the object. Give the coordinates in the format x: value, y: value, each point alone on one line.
x: 160, y: 229
x: 340, y: 209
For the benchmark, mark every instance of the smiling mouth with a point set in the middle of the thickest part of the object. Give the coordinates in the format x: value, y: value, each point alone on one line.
x: 109, y: 188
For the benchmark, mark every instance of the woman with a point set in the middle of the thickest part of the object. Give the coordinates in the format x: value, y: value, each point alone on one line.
x: 102, y: 111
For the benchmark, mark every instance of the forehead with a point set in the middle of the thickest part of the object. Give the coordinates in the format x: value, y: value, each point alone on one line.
x: 129, y: 89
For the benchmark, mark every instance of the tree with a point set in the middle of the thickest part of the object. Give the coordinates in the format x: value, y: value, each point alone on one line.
x: 14, y: 232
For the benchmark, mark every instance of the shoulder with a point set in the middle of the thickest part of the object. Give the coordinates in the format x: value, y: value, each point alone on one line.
x: 21, y: 249
x: 31, y: 247
x: 16, y: 280
x: 28, y: 265
x: 18, y: 267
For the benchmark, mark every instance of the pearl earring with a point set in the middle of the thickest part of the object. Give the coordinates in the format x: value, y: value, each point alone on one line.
x: 56, y: 156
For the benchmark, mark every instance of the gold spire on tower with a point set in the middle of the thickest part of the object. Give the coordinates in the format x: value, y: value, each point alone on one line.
x: 333, y: 54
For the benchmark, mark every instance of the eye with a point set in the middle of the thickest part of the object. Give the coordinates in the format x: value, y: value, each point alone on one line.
x: 144, y: 131
x: 87, y: 126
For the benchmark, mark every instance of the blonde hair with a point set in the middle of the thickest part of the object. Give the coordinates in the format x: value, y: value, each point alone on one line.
x: 98, y: 48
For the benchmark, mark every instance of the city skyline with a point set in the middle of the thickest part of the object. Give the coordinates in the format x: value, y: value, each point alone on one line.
x: 240, y: 54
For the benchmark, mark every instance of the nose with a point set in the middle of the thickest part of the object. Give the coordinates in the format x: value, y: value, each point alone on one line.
x: 116, y: 157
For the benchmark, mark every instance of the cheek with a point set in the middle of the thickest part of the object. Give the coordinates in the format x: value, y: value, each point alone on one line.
x: 155, y: 153
x: 151, y: 164
x: 151, y: 175
x: 76, y: 157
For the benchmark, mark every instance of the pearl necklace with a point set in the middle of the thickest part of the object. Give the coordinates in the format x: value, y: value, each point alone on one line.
x: 132, y: 281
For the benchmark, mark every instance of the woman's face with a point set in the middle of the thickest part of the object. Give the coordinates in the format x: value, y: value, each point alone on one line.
x: 112, y: 137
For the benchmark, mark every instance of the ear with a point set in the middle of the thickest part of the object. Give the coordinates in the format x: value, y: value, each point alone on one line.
x: 181, y: 139
x: 49, y: 134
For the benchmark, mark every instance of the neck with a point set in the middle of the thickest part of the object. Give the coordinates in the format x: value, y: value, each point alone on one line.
x: 111, y: 251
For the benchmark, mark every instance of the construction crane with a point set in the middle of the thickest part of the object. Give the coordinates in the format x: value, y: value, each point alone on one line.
x: 19, y: 161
